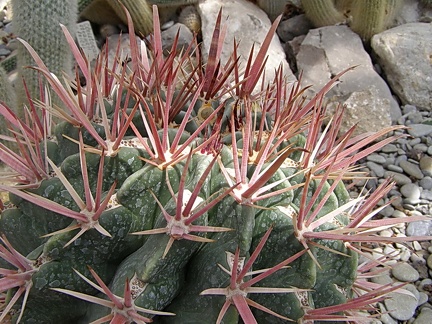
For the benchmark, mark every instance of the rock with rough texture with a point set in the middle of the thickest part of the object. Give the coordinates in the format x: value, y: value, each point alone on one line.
x: 248, y: 25
x: 405, y: 55
x: 185, y: 37
x: 327, y: 51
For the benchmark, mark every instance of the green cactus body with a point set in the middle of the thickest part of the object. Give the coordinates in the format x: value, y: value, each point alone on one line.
x: 14, y: 222
x: 335, y: 277
x: 281, y: 244
x: 136, y: 192
x: 228, y: 211
x: 59, y: 274
x: 204, y: 273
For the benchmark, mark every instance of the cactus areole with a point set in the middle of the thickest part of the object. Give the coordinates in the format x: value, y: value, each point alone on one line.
x: 176, y: 191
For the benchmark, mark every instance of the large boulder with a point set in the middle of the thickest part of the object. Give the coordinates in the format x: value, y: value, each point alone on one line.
x: 327, y: 51
x: 248, y: 25
x: 405, y: 55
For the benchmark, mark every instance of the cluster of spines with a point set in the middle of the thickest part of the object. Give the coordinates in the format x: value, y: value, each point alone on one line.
x: 216, y: 208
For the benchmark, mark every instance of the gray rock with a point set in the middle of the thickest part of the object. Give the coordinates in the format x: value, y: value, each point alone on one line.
x: 401, y: 306
x: 376, y: 158
x: 377, y: 169
x: 399, y: 178
x: 124, y: 50
x: 401, y: 53
x: 420, y: 228
x: 249, y: 25
x: 426, y: 194
x: 387, y: 211
x: 426, y: 165
x: 389, y: 148
x: 395, y: 168
x: 398, y: 214
x: 290, y: 28
x: 418, y: 130
x: 184, y: 39
x: 426, y: 183
x: 386, y: 318
x: 429, y: 261
x: 408, y: 109
x: 4, y: 51
x: 327, y: 51
x: 410, y: 12
x: 424, y: 317
x: 411, y: 169
x: 423, y: 298
x: 405, y: 273
x: 421, y: 147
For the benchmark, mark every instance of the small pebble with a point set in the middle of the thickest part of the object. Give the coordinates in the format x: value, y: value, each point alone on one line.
x: 376, y: 168
x: 409, y: 109
x: 376, y: 158
x: 401, y: 306
x: 424, y: 317
x: 420, y: 228
x: 399, y: 178
x: 426, y: 182
x: 429, y: 261
x: 395, y: 168
x: 411, y: 191
x: 387, y: 211
x: 423, y: 298
x: 421, y: 147
x: 426, y: 195
x: 386, y: 318
x: 419, y: 130
x: 426, y: 165
x: 411, y: 169
x: 398, y: 214
x: 405, y: 273
x: 389, y: 148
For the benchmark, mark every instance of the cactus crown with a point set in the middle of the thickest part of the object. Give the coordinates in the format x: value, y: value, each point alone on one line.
x: 200, y: 190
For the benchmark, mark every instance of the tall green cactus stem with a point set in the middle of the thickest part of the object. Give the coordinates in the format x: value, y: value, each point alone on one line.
x: 366, y: 18
x: 38, y: 22
x: 370, y: 17
x: 322, y: 12
x: 112, y: 11
x: 7, y: 96
x: 139, y: 10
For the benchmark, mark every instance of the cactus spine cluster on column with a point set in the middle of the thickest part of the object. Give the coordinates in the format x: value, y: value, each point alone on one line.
x: 184, y: 196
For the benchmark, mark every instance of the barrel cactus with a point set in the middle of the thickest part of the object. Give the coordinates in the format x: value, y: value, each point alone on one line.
x: 176, y: 192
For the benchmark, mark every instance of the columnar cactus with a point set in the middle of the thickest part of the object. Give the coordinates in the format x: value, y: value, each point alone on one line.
x: 366, y: 18
x: 181, y: 197
x: 111, y: 11
x: 39, y: 24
